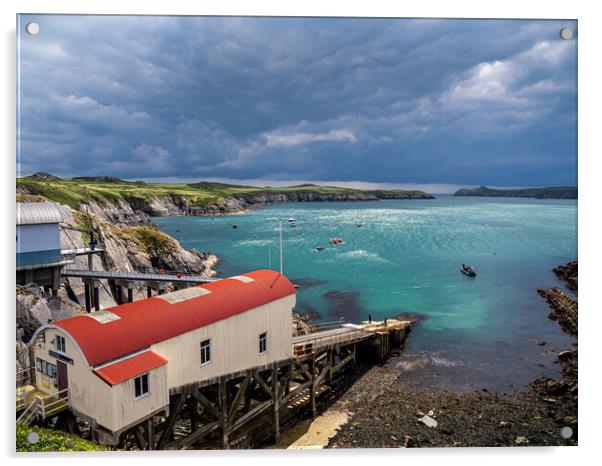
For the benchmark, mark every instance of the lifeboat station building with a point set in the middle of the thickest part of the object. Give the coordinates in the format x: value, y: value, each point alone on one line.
x: 119, y: 366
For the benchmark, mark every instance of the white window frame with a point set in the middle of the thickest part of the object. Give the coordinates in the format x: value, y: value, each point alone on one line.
x: 208, y: 346
x: 61, y: 348
x: 263, y: 336
x: 142, y: 394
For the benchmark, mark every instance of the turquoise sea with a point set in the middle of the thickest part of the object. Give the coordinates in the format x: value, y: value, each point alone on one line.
x: 472, y: 333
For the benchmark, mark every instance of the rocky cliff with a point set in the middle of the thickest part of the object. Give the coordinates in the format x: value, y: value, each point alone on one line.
x: 131, y: 244
x: 129, y: 202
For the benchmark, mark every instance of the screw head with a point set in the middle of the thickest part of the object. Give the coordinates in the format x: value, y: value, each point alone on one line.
x: 566, y: 33
x: 32, y: 28
x: 566, y: 432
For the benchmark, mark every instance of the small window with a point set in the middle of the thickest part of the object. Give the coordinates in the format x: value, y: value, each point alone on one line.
x: 60, y: 343
x: 263, y: 342
x: 205, y: 351
x: 39, y: 364
x: 141, y: 386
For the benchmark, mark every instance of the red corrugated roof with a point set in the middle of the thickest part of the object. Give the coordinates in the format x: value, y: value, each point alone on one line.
x: 148, y: 321
x: 125, y: 369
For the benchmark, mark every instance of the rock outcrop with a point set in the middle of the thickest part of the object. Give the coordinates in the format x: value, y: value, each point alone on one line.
x: 568, y: 273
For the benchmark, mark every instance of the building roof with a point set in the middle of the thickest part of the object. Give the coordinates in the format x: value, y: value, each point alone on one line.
x: 130, y: 367
x: 140, y: 324
x: 31, y: 213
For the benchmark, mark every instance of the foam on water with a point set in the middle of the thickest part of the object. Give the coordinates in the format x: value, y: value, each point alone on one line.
x: 406, y: 258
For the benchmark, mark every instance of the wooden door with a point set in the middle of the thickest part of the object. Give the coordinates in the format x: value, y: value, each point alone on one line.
x: 63, y: 381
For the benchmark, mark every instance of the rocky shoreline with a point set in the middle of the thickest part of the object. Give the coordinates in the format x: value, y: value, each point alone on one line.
x: 385, y: 413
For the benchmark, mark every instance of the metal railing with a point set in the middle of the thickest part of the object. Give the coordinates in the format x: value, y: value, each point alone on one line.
x: 314, y: 341
x: 321, y: 326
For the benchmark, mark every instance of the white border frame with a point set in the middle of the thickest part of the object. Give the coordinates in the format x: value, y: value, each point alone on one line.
x: 590, y: 36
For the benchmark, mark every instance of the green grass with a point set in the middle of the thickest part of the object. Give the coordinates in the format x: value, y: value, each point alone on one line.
x: 52, y: 440
x: 74, y: 192
x: 152, y: 240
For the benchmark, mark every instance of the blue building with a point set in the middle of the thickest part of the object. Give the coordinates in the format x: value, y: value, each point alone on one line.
x: 38, y: 248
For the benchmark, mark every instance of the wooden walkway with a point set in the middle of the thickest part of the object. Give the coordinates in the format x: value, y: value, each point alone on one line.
x: 135, y: 276
x: 250, y: 407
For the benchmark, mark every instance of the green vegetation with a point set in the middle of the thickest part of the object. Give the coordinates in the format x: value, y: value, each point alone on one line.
x: 110, y: 190
x: 560, y: 192
x: 152, y: 240
x: 30, y: 198
x: 51, y: 440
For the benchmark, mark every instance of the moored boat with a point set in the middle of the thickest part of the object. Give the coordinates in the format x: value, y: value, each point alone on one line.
x: 468, y: 270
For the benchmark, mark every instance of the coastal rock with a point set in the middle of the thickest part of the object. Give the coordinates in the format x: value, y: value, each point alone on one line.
x: 564, y: 309
x: 428, y: 421
x: 569, y: 273
x: 35, y: 308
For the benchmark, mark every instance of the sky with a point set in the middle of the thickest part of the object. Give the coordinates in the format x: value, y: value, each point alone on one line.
x: 431, y: 104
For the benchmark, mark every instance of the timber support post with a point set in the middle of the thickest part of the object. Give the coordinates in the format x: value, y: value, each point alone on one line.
x: 276, y: 402
x: 87, y: 297
x: 150, y: 433
x: 96, y: 297
x: 223, y: 412
x: 312, y: 385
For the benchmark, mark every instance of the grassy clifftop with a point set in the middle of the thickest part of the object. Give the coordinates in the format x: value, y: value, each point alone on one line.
x: 110, y: 190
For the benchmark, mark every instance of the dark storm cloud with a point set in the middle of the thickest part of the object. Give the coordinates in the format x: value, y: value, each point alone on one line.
x: 392, y: 101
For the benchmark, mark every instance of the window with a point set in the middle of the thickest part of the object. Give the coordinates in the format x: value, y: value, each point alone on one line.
x: 263, y: 342
x: 46, y: 368
x: 205, y: 351
x: 60, y: 343
x: 141, y: 386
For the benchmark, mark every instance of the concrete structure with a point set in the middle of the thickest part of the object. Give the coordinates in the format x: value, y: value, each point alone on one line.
x: 119, y: 366
x: 38, y: 248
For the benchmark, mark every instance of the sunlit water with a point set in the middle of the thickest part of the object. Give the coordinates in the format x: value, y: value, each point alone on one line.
x: 473, y: 332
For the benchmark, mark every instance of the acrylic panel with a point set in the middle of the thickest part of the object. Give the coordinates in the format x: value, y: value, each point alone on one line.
x: 288, y: 232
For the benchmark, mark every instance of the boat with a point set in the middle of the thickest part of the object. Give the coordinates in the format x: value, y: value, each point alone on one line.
x: 468, y: 270
x: 336, y: 240
x: 291, y: 220
x: 359, y: 225
x: 293, y: 224
x: 320, y: 248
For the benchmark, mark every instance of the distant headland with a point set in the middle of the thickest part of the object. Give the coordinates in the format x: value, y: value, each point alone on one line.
x: 557, y: 192
x: 201, y: 198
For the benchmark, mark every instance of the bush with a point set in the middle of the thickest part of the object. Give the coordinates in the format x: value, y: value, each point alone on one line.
x: 153, y: 241
x: 52, y: 440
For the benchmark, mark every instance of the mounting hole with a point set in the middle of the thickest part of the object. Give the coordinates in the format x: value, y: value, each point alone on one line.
x: 566, y: 432
x: 33, y: 437
x: 32, y: 28
x: 566, y: 33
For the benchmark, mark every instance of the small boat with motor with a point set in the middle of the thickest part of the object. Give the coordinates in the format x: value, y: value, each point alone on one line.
x: 468, y: 270
x: 336, y: 241
x: 320, y: 248
x: 291, y: 220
